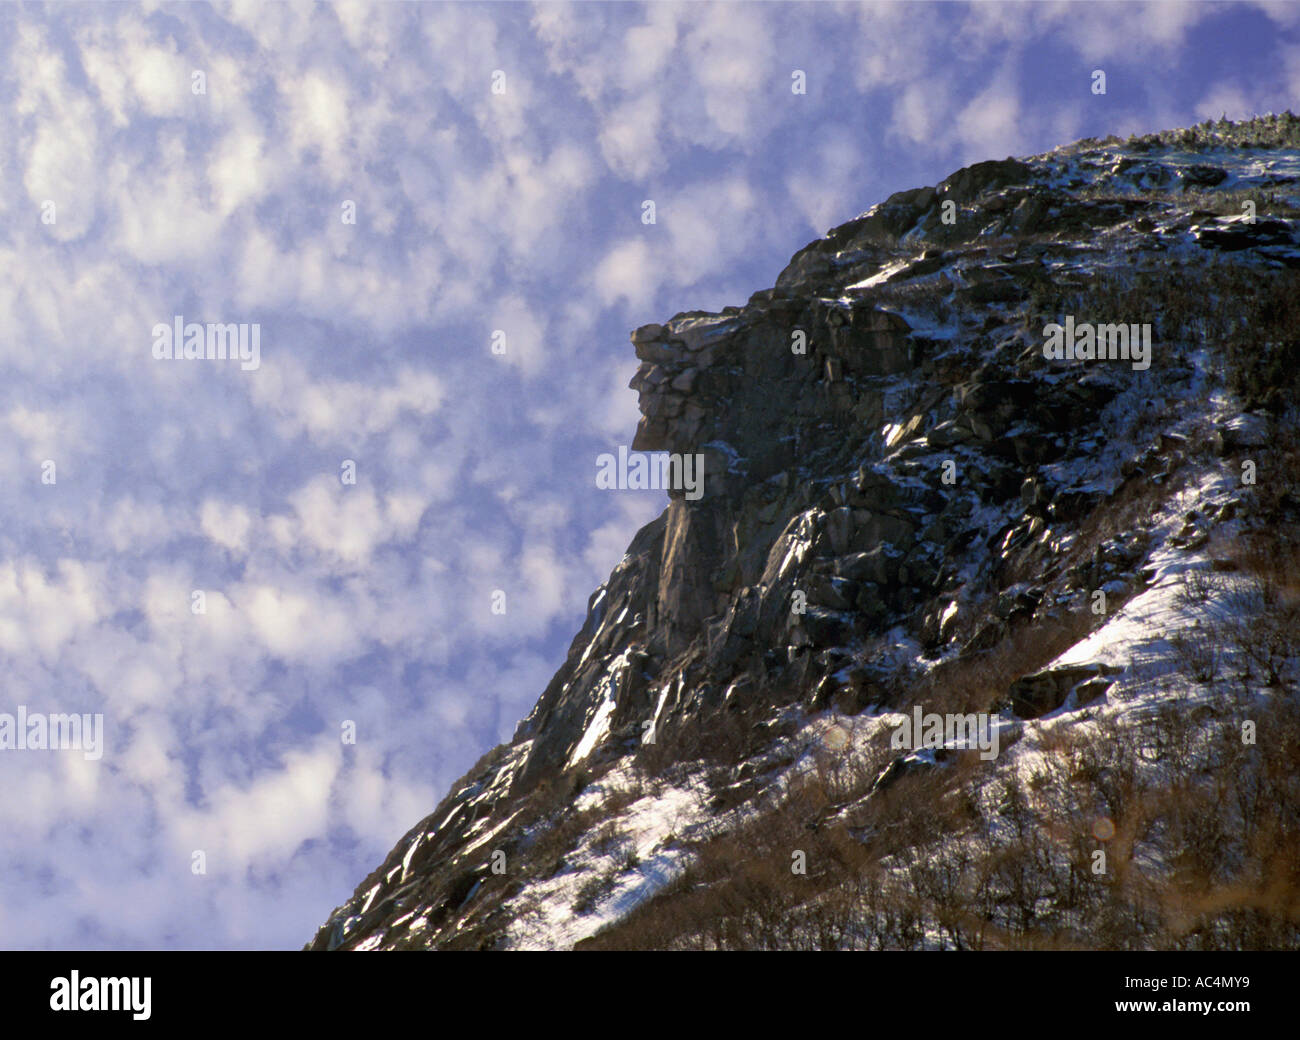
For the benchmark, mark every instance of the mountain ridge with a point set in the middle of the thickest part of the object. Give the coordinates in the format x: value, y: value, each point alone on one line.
x: 906, y: 504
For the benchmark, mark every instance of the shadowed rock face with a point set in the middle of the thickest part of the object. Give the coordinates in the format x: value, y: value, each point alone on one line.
x: 878, y: 432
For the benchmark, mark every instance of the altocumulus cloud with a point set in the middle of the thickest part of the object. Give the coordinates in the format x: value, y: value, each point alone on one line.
x: 345, y: 177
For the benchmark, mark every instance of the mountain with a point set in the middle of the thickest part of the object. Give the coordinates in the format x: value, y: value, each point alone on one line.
x: 981, y: 629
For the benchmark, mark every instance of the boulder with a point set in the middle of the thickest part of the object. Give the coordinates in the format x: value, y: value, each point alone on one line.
x: 1232, y: 235
x: 878, y: 566
x: 1201, y: 175
x: 967, y: 184
x: 1043, y: 692
x: 648, y: 334
x: 871, y: 529
x: 826, y: 627
x: 1242, y: 433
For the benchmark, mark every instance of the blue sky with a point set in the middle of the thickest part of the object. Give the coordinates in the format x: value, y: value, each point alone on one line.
x: 475, y: 211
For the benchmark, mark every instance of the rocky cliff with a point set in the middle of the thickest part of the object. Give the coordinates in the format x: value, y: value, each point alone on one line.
x: 908, y: 504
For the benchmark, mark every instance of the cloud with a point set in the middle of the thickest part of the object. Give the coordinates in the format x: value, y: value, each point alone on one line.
x: 1226, y: 99
x: 1122, y: 32
x: 626, y: 273
x: 318, y: 107
x: 628, y: 139
x: 266, y: 821
x: 347, y: 522
x: 339, y: 411
x: 227, y: 524
x: 239, y: 171
x: 61, y: 145
x: 991, y: 124
x: 708, y: 225
x: 305, y: 625
x: 40, y: 613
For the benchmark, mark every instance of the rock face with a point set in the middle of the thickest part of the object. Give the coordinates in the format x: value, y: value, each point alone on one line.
x: 888, y: 456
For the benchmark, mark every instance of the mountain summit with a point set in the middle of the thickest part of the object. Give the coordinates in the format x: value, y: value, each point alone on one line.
x: 982, y: 628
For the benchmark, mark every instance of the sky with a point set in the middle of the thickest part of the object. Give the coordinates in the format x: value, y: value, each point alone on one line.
x: 433, y: 215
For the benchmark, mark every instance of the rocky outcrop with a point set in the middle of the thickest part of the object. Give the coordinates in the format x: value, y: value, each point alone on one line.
x: 863, y: 243
x: 889, y: 459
